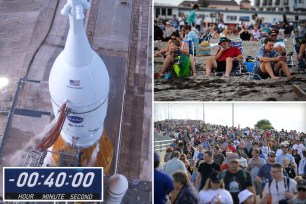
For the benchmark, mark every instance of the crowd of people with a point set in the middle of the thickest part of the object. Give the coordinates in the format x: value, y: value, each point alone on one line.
x: 270, y: 59
x: 220, y: 164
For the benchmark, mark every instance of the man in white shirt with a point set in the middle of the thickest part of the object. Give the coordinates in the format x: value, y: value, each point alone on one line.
x: 280, y: 188
x: 175, y: 164
x: 299, y: 146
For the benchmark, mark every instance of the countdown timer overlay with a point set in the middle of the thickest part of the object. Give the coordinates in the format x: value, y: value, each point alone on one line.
x: 53, y: 183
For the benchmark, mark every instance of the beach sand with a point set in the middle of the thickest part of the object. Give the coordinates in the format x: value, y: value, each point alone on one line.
x: 236, y: 88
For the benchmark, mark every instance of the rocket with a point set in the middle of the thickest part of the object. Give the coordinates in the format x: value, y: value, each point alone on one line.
x: 80, y: 79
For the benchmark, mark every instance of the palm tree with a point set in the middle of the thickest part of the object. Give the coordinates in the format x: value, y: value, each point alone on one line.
x: 264, y: 124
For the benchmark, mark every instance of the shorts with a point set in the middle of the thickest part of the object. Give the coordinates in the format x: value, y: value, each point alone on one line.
x: 221, y: 65
x: 265, y: 75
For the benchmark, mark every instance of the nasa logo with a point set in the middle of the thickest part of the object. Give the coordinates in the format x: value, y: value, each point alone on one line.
x: 75, y: 119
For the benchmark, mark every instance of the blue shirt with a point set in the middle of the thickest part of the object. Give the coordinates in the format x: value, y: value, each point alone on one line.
x: 191, y: 17
x: 263, y: 53
x: 162, y: 186
x: 192, y: 36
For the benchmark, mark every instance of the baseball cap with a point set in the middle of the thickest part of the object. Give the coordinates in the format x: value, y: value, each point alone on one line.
x: 271, y: 153
x: 234, y: 157
x: 215, y: 176
x: 244, y: 195
x: 301, y: 184
x: 168, y: 23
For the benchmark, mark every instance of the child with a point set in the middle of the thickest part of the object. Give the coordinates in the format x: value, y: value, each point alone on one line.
x: 246, y: 197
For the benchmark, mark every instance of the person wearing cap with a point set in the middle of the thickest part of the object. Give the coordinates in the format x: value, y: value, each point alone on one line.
x: 213, y: 191
x: 269, y: 62
x: 163, y: 185
x: 281, y: 188
x: 246, y: 197
x: 186, y: 192
x: 301, y: 196
x: 285, y: 154
x: 168, y: 30
x: 236, y: 179
x: 205, y: 169
x: 225, y: 59
x: 296, y: 156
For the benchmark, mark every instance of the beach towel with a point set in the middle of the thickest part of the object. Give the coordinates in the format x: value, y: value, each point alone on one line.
x: 182, y: 66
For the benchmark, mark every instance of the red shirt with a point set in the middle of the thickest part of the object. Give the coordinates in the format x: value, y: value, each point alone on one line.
x: 230, y: 52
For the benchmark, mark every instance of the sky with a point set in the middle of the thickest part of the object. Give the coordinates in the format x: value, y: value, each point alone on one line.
x: 290, y: 116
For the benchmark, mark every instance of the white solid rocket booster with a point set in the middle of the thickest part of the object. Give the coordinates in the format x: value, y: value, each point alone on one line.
x: 79, y: 77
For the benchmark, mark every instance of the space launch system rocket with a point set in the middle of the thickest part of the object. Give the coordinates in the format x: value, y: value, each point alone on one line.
x: 80, y: 79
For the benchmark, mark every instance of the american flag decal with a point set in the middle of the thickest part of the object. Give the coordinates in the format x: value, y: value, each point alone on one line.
x: 74, y: 82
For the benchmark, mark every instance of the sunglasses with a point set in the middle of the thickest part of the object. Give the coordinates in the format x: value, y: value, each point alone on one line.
x: 302, y: 189
x: 272, y: 156
x: 273, y: 35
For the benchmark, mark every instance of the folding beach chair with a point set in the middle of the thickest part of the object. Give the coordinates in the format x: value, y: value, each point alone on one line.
x: 236, y: 71
x: 205, y: 37
x: 297, y: 42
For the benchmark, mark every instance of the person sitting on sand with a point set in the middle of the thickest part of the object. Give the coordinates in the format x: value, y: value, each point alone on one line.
x: 168, y: 30
x: 256, y: 33
x: 245, y: 34
x: 190, y: 35
x: 280, y: 49
x: 269, y: 62
x: 225, y: 59
x: 162, y: 52
x: 176, y: 49
x: 301, y: 55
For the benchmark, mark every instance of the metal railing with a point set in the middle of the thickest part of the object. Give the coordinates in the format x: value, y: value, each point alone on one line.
x: 161, y: 145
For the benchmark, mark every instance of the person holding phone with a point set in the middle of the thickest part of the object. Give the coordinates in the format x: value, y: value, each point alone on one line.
x: 225, y: 59
x: 269, y: 62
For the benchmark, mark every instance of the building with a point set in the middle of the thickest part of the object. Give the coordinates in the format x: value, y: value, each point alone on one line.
x: 280, y: 5
x: 224, y: 5
x: 245, y: 5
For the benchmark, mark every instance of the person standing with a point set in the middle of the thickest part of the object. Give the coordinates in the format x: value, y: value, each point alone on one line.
x: 163, y: 185
x: 186, y: 192
x: 236, y: 179
x: 192, y: 15
x: 218, y: 157
x: 301, y: 197
x: 214, y: 190
x: 205, y: 169
x: 175, y: 164
x: 281, y: 188
x: 254, y: 165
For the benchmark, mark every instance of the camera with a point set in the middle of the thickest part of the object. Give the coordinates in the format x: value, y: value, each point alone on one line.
x: 283, y: 201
